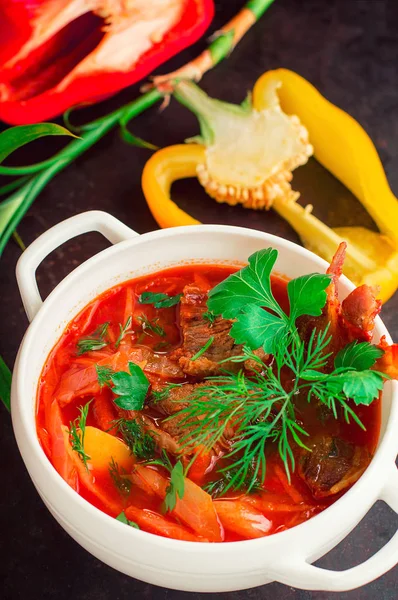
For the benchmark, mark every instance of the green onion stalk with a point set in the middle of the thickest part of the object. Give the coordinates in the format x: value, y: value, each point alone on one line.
x: 32, y: 179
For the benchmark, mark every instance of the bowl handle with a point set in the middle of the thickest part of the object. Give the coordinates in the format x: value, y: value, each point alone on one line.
x: 94, y: 220
x: 307, y: 576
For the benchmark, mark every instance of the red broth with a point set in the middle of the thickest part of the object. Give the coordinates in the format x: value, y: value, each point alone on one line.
x: 69, y: 381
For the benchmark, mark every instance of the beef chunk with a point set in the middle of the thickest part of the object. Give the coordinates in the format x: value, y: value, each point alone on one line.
x: 196, y: 331
x: 332, y: 466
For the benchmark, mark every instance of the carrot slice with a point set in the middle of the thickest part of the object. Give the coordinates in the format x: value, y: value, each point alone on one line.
x: 194, y: 509
x: 154, y: 523
x: 272, y: 503
x: 242, y: 519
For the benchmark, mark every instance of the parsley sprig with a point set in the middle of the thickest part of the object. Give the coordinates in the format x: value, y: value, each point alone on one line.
x: 176, y: 486
x: 260, y: 408
x: 129, y: 388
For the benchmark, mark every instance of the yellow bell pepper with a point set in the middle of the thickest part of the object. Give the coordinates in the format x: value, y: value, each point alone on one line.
x: 340, y: 145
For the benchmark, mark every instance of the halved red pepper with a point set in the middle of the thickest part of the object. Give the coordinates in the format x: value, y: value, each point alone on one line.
x: 59, y: 53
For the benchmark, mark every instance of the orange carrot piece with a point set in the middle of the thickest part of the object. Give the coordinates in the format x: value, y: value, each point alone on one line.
x: 194, y: 509
x: 242, y: 519
x: 153, y: 522
x: 265, y: 503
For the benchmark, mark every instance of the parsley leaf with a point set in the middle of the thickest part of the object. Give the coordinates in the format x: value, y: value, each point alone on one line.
x: 131, y: 388
x: 249, y: 286
x: 159, y: 300
x: 361, y: 386
x: 256, y: 327
x: 307, y: 295
x: 175, y: 488
x: 123, y: 519
x: 358, y: 355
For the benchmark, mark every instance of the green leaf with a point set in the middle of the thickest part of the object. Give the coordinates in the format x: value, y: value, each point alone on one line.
x: 15, y: 137
x: 256, y: 327
x: 131, y: 388
x: 123, y: 519
x: 361, y: 386
x: 250, y: 285
x: 307, y: 295
x: 77, y: 430
x: 358, y: 355
x: 175, y: 488
x: 159, y: 300
x: 5, y: 384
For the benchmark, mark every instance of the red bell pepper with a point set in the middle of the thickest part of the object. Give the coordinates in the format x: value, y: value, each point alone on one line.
x: 59, y: 53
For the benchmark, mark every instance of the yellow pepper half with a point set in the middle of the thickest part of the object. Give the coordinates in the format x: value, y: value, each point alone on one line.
x: 342, y: 146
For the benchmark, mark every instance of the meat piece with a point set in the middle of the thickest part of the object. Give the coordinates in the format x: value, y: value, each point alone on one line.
x: 196, y: 332
x: 359, y: 311
x: 177, y: 399
x: 332, y: 466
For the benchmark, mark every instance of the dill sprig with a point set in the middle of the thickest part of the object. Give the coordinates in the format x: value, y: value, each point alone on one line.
x: 118, y: 476
x: 77, y: 430
x: 94, y: 342
x: 163, y: 394
x: 140, y: 442
x: 259, y: 410
x: 151, y: 327
x: 123, y: 330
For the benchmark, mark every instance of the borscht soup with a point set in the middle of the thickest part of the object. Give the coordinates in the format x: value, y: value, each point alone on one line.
x: 209, y: 403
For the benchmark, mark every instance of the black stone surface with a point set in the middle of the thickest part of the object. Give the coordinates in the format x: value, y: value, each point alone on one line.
x: 349, y: 50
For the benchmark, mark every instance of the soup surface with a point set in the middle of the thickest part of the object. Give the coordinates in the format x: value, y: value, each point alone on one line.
x: 123, y: 441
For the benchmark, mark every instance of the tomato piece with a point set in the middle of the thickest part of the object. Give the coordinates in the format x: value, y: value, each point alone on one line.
x: 198, y: 470
x: 155, y: 523
x: 242, y: 519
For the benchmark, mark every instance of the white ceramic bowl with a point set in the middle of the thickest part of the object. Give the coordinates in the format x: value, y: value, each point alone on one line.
x: 285, y: 557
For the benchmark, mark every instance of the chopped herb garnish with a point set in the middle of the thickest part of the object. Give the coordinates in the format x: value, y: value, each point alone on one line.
x: 118, y: 475
x: 123, y: 330
x: 159, y: 300
x: 260, y: 408
x: 104, y: 374
x: 95, y: 342
x: 163, y: 394
x: 123, y: 519
x: 218, y: 487
x: 176, y: 486
x: 209, y: 316
x: 203, y: 349
x: 141, y: 443
x: 131, y: 388
x: 77, y: 430
x: 150, y: 327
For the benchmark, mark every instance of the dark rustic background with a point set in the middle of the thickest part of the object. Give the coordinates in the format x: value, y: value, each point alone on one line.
x: 349, y: 50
